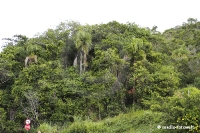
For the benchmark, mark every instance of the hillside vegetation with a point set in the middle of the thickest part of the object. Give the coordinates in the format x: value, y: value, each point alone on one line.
x: 103, y: 78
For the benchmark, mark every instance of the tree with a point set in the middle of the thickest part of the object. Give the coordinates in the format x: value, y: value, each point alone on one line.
x: 3, y: 113
x: 6, y: 64
x: 5, y: 73
x: 83, y: 43
x: 133, y: 48
x: 36, y: 90
x: 152, y: 78
x: 191, y: 20
x: 154, y: 29
x: 31, y: 107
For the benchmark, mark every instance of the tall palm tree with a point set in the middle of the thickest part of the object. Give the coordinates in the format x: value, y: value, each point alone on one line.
x: 83, y: 43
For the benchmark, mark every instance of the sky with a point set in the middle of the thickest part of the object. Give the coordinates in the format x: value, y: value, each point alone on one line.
x: 29, y: 17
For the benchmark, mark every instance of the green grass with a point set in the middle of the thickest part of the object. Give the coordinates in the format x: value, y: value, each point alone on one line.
x: 132, y: 122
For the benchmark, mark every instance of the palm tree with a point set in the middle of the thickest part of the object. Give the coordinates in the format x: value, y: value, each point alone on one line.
x: 83, y: 43
x: 132, y: 47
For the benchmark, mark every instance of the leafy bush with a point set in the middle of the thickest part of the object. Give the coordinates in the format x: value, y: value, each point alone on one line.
x: 197, y: 82
x: 77, y: 127
x: 140, y: 121
x: 46, y: 128
x: 180, y: 109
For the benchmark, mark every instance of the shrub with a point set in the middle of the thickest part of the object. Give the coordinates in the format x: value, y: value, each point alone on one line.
x: 76, y: 127
x: 46, y: 128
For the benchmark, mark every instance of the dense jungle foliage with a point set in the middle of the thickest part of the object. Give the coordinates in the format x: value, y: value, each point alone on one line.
x: 102, y: 78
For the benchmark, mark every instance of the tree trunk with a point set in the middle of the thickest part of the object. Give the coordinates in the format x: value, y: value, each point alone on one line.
x: 75, y: 61
x: 85, y: 59
x: 81, y: 62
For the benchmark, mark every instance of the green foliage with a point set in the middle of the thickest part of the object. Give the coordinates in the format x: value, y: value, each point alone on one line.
x: 108, y: 59
x: 46, y: 128
x: 2, y: 118
x: 77, y: 128
x: 197, y: 82
x: 191, y: 116
x: 149, y: 78
x: 134, y: 121
x: 180, y: 109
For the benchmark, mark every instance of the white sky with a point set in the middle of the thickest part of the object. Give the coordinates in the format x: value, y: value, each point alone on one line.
x: 29, y: 17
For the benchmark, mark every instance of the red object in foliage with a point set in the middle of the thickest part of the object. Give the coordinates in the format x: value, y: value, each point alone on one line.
x: 27, y: 127
x: 131, y: 91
